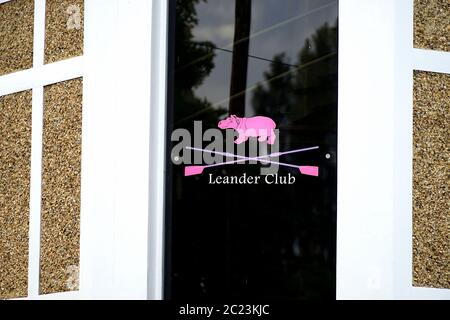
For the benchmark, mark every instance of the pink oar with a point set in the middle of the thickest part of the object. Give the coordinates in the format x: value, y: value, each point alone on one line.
x: 195, y: 170
x: 305, y: 170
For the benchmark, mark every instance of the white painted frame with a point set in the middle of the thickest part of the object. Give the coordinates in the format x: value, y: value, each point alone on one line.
x: 377, y: 59
x: 124, y: 123
x: 118, y: 259
x: 158, y: 149
x: 122, y: 208
x: 118, y: 109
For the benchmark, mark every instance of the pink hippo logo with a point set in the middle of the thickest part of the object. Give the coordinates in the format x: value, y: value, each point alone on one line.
x: 261, y: 127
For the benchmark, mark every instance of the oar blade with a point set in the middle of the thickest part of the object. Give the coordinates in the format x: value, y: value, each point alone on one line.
x: 309, y: 170
x: 193, y: 170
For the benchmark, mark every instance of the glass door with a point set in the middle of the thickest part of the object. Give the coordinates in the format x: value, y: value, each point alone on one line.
x: 252, y: 131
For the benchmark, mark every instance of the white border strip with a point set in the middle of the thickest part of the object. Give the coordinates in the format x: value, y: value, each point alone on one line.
x: 432, y: 61
x: 365, y: 256
x: 35, y: 194
x: 36, y: 154
x: 374, y: 248
x: 116, y: 150
x: 98, y: 157
x: 71, y: 295
x: 403, y: 147
x: 157, y: 150
x: 41, y: 75
x: 39, y: 33
x: 131, y: 139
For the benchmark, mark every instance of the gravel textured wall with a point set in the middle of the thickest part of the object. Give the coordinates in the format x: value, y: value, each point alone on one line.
x: 431, y: 226
x: 15, y: 157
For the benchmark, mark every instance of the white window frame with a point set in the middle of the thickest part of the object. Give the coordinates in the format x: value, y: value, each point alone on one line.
x: 376, y: 63
x: 374, y: 244
x: 120, y: 102
x: 123, y: 161
x: 408, y: 59
x: 118, y: 82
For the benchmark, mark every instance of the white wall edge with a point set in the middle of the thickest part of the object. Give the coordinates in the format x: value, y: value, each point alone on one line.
x: 71, y: 295
x: 403, y: 146
x: 374, y: 247
x: 34, y: 234
x: 132, y: 139
x: 116, y: 143
x: 365, y: 150
x: 98, y: 151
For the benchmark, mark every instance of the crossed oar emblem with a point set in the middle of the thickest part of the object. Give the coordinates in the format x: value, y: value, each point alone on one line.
x: 306, y: 170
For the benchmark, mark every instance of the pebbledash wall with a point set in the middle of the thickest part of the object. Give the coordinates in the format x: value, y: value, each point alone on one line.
x: 65, y: 68
x: 49, y: 114
x: 431, y: 114
x: 82, y: 110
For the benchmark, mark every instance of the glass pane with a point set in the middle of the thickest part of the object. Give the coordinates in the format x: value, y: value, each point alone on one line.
x: 233, y: 230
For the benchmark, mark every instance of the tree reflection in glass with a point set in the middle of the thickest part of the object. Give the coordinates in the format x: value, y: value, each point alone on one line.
x: 263, y: 57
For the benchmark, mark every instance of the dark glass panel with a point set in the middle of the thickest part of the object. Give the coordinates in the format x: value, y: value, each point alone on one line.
x: 254, y: 58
